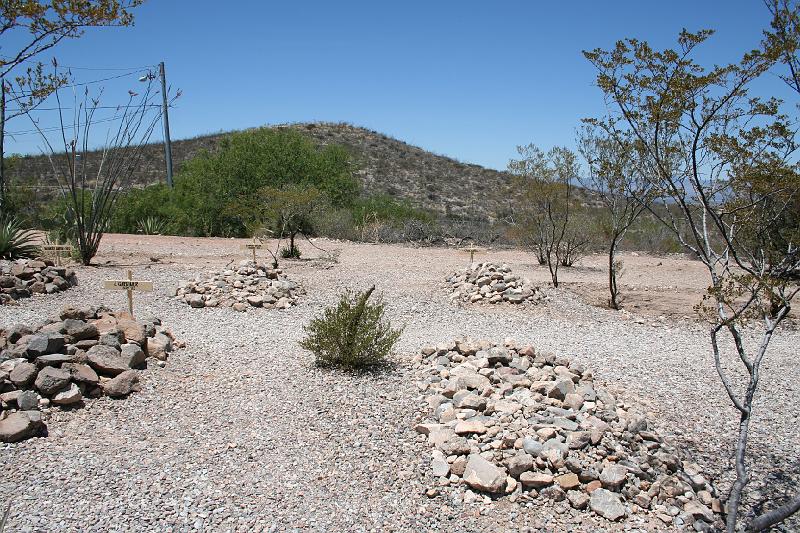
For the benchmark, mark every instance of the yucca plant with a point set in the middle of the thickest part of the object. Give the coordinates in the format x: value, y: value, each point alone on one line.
x: 16, y: 242
x: 152, y: 226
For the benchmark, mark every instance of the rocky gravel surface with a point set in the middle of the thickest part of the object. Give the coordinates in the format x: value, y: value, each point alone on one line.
x: 241, y: 433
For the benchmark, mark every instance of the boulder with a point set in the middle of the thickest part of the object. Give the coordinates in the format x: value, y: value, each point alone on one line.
x: 43, y: 344
x: 80, y: 330
x: 107, y: 360
x: 122, y: 385
x: 613, y: 476
x: 20, y: 425
x: 81, y: 373
x: 23, y: 374
x: 51, y: 380
x: 536, y: 480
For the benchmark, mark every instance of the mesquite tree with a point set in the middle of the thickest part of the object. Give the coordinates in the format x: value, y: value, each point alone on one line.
x: 91, y: 179
x: 616, y: 181
x: 545, y: 181
x: 723, y: 160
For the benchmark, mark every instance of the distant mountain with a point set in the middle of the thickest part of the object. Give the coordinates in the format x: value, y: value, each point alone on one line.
x: 386, y: 165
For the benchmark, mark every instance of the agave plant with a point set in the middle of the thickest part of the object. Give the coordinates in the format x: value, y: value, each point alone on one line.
x: 152, y: 226
x: 16, y: 242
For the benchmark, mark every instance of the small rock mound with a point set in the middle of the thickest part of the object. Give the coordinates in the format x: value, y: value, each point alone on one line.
x: 84, y: 353
x: 505, y: 420
x: 25, y: 277
x: 492, y: 284
x: 249, y: 285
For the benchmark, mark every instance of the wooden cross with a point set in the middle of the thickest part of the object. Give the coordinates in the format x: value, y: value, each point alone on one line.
x: 255, y: 245
x: 57, y: 250
x: 129, y: 285
x: 472, y: 249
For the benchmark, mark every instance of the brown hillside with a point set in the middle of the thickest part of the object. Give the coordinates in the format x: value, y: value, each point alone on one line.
x: 386, y: 165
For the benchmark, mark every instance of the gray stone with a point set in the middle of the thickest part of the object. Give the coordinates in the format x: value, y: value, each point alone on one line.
x: 43, y: 344
x: 613, y: 476
x: 68, y: 397
x: 28, y: 400
x: 81, y: 373
x: 482, y: 475
x: 52, y: 380
x: 107, y: 360
x: 134, y: 353
x: 80, y: 330
x: 532, y: 446
x: 196, y: 301
x: 606, y: 504
x: 519, y: 463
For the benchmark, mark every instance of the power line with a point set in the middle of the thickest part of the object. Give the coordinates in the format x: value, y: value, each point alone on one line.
x: 145, y: 67
x: 66, y: 108
x: 66, y: 127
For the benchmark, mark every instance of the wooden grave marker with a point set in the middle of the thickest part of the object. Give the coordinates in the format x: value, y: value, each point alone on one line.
x: 56, y: 250
x: 472, y: 249
x: 255, y: 245
x: 130, y: 285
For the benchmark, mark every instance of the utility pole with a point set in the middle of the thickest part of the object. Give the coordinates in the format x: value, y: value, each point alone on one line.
x: 165, y: 120
x: 2, y: 147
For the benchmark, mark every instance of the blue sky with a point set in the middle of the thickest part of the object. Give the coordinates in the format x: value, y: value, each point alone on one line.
x: 467, y: 79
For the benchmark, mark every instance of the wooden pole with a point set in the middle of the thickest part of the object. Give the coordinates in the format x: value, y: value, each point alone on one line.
x: 130, y: 295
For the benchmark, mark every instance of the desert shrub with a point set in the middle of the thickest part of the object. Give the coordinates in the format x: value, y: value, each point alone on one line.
x: 16, y: 242
x: 137, y: 205
x: 351, y: 335
x: 290, y: 252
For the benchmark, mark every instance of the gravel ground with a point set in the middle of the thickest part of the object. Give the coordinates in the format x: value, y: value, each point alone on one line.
x: 241, y: 433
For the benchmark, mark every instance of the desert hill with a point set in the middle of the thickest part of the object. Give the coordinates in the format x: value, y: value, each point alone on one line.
x: 386, y: 165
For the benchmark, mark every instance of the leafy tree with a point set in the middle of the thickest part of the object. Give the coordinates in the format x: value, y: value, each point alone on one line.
x: 723, y: 160
x: 616, y: 181
x: 37, y: 26
x: 547, y: 199
x: 285, y: 212
x: 247, y: 162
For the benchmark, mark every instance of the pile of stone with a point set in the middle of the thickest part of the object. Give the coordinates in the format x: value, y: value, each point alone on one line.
x: 84, y: 353
x: 249, y: 285
x: 24, y: 277
x: 506, y: 420
x: 491, y: 283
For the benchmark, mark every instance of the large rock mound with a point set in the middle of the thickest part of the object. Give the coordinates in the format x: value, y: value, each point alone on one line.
x: 25, y: 277
x: 491, y: 283
x: 505, y: 420
x: 249, y: 285
x: 84, y: 353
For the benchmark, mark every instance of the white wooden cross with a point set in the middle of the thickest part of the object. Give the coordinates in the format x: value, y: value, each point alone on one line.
x: 128, y: 285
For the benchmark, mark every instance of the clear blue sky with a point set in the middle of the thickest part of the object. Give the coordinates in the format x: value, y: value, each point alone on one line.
x: 468, y: 79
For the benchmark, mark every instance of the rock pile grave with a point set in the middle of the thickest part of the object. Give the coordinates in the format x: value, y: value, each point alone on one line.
x: 248, y: 285
x: 84, y: 353
x: 510, y: 422
x: 491, y: 283
x: 25, y: 277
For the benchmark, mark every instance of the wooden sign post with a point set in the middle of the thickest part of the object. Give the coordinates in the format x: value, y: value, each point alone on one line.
x: 129, y: 285
x: 472, y: 249
x: 57, y: 250
x: 255, y: 245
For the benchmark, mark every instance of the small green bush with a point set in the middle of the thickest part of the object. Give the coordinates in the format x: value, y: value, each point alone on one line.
x: 351, y: 335
x: 290, y: 252
x: 15, y: 242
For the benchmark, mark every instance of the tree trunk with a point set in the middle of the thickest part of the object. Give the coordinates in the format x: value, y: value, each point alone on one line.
x: 612, y: 274
x: 741, y: 472
x: 775, y: 516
